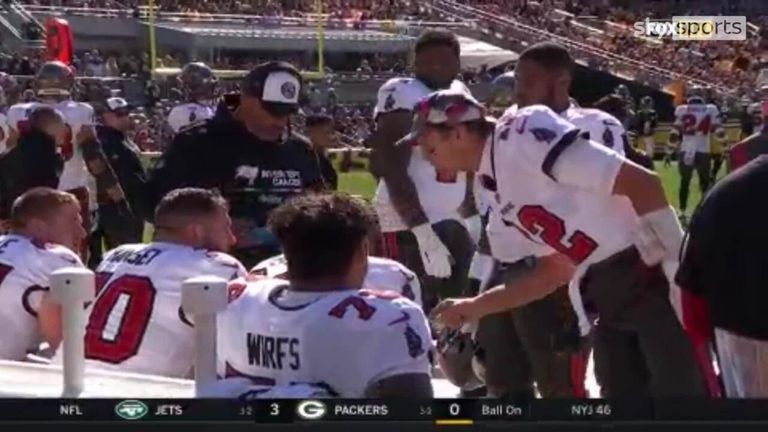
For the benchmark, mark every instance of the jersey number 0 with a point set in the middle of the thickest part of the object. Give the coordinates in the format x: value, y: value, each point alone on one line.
x: 119, y: 318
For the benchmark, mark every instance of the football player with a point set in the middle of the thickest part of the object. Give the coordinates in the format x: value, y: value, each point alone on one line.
x: 46, y: 228
x: 585, y: 212
x: 383, y: 274
x: 199, y: 86
x: 543, y: 74
x: 421, y: 209
x: 320, y: 326
x: 695, y: 121
x: 136, y: 323
x: 646, y: 122
x: 82, y: 154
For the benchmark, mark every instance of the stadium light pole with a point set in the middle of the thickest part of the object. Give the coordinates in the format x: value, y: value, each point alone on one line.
x: 319, y: 15
x: 152, y: 47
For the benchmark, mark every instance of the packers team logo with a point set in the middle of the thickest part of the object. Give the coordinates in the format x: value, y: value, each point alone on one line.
x: 311, y: 410
x: 131, y: 409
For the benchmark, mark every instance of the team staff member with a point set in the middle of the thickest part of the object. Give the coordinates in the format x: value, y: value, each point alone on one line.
x: 420, y: 209
x: 35, y: 161
x: 123, y: 157
x: 581, y: 209
x: 247, y: 152
x: 722, y: 274
x: 322, y: 136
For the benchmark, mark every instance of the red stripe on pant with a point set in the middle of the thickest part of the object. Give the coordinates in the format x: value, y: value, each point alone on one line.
x: 579, y: 374
x: 389, y: 243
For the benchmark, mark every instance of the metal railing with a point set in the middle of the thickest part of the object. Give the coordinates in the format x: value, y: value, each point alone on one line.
x: 579, y: 48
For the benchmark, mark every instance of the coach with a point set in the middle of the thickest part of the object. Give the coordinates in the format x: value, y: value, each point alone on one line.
x: 124, y: 158
x: 247, y: 152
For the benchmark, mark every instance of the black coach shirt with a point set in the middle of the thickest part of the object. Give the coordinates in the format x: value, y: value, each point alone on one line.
x: 255, y: 176
x: 725, y: 260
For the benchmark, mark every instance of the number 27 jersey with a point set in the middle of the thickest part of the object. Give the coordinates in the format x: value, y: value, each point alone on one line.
x: 345, y: 340
x: 136, y: 324
x: 551, y: 191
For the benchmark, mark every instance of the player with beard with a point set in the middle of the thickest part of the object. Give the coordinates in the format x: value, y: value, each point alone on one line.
x: 84, y: 159
x: 421, y: 209
x: 588, y: 215
x: 136, y: 324
x: 45, y: 228
x: 199, y: 86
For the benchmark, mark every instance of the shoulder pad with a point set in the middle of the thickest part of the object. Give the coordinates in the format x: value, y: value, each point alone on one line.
x: 224, y: 259
x: 194, y: 129
x: 61, y: 252
x: 394, y: 83
x: 543, y: 123
x: 273, y: 267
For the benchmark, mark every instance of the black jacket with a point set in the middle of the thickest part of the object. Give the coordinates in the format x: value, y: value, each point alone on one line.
x: 33, y: 162
x: 253, y: 175
x: 125, y: 160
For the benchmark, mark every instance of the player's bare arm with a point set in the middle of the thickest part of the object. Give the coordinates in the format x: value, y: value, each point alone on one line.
x: 412, y: 386
x: 549, y: 273
x: 49, y: 321
x: 391, y: 164
x: 641, y: 186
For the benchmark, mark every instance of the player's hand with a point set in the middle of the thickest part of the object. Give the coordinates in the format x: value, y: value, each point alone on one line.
x: 5, y: 225
x: 454, y: 312
x: 435, y: 257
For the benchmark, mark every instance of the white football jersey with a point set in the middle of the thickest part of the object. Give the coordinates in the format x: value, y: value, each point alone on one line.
x: 244, y: 389
x: 136, y: 323
x: 439, y: 199
x: 697, y: 122
x: 344, y: 340
x: 603, y: 128
x: 77, y: 115
x: 25, y: 269
x: 552, y: 191
x: 383, y: 274
x: 187, y: 115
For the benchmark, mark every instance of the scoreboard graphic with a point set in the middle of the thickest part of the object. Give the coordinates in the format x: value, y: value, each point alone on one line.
x: 369, y: 415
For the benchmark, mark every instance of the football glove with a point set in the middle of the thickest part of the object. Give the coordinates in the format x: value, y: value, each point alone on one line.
x: 435, y: 257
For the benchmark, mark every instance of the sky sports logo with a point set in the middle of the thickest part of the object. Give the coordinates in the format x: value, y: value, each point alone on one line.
x: 694, y: 28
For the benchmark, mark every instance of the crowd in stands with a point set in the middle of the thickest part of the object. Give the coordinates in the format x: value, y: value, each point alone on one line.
x: 730, y: 64
x: 353, y: 10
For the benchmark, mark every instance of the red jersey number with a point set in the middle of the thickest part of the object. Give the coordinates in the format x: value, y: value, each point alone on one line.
x: 690, y: 127
x: 119, y: 319
x: 551, y: 229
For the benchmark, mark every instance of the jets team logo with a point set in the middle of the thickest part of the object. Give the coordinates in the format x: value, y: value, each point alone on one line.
x: 131, y: 409
x: 311, y: 410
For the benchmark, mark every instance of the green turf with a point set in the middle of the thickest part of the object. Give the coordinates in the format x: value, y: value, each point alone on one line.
x: 361, y: 183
